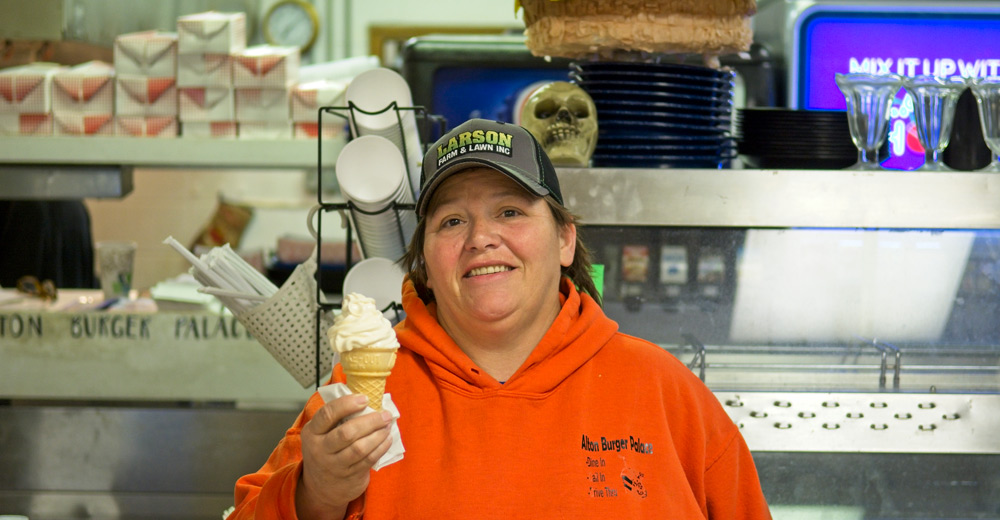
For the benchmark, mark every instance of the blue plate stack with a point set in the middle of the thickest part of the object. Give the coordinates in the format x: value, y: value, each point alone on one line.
x: 659, y: 115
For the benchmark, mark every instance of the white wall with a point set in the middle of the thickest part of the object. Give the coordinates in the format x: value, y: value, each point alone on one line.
x: 181, y: 202
x: 347, y: 21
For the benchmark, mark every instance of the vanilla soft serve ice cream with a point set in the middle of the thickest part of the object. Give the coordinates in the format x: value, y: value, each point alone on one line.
x: 367, y: 346
x: 359, y: 325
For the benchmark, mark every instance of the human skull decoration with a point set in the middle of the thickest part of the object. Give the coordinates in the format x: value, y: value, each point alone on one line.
x: 563, y: 118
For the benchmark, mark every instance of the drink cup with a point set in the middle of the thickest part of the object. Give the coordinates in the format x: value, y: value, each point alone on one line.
x: 935, y: 100
x: 987, y: 92
x: 372, y: 94
x: 372, y: 176
x: 115, y: 261
x: 380, y: 279
x: 869, y: 98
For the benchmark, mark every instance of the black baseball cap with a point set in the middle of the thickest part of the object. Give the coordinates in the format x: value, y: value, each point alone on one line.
x: 505, y: 147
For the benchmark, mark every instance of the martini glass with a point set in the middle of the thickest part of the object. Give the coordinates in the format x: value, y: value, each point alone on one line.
x: 934, y: 111
x: 869, y: 98
x: 987, y: 92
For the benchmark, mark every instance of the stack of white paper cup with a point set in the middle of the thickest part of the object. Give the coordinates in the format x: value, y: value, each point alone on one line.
x: 380, y: 279
x: 372, y: 176
x: 373, y: 91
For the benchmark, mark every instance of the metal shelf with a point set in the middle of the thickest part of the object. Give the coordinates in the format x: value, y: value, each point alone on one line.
x: 168, y: 153
x: 783, y: 198
x: 54, y: 182
x: 101, y: 167
x: 51, y: 167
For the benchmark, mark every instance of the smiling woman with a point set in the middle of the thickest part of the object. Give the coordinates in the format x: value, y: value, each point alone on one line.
x: 504, y: 340
x: 494, y: 253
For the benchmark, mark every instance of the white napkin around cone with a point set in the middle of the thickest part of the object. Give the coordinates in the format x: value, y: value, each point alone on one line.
x: 395, y: 453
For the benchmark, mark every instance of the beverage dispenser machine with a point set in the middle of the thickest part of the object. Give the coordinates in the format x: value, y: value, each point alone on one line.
x: 816, y: 40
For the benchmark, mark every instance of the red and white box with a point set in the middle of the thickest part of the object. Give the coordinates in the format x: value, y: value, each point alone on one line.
x: 142, y: 126
x: 307, y: 98
x: 263, y: 104
x: 205, y: 70
x: 311, y: 130
x: 211, y: 32
x: 82, y: 124
x: 266, y: 66
x: 265, y: 130
x: 145, y: 96
x: 84, y: 89
x: 27, y: 89
x: 25, y: 124
x: 206, y: 104
x: 209, y: 129
x: 146, y: 53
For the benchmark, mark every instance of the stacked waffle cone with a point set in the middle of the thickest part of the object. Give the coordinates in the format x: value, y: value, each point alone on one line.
x: 367, y: 346
x: 607, y: 28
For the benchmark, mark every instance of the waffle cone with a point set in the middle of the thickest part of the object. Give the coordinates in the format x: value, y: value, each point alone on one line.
x: 366, y: 370
x: 584, y: 29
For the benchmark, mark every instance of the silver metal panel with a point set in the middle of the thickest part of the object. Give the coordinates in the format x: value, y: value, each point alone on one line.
x: 142, y: 450
x: 879, y: 485
x: 61, y: 505
x: 856, y: 367
x: 179, y: 152
x: 64, y: 182
x: 123, y: 462
x: 783, y: 198
x: 866, y: 422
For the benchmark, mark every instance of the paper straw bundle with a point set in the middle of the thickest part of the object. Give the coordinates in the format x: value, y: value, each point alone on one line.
x: 282, y: 319
x: 227, y: 276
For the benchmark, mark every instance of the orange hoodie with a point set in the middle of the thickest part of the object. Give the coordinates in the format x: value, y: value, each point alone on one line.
x: 595, y: 424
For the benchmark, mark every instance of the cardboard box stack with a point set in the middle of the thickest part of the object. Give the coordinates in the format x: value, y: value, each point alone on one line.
x: 264, y: 76
x: 26, y: 99
x: 202, y: 81
x: 307, y: 98
x: 83, y: 100
x: 205, y: 48
x: 146, y: 84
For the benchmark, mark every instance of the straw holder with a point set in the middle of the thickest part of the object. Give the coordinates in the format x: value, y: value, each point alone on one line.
x: 285, y: 324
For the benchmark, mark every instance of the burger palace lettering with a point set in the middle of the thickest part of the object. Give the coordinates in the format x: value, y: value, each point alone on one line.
x: 113, y: 325
x: 475, y: 141
x: 608, y: 473
x: 605, y: 444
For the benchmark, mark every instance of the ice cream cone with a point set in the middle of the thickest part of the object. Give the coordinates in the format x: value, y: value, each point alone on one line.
x: 366, y: 370
x: 367, y: 346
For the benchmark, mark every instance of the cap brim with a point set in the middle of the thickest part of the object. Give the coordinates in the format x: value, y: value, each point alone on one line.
x: 459, y: 165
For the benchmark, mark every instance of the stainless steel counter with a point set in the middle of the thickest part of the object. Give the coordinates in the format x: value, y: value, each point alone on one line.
x: 180, y: 461
x: 104, y: 461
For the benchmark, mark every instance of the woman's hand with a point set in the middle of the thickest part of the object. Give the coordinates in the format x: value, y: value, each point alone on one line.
x: 337, y: 457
